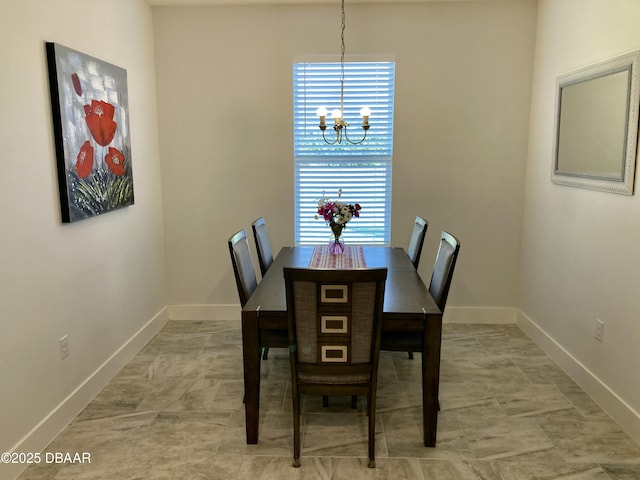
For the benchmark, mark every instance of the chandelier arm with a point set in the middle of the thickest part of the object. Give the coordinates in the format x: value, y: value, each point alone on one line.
x: 346, y: 136
x: 327, y: 141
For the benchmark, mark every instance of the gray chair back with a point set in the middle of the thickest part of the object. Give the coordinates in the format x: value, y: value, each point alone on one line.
x: 414, y: 250
x: 263, y: 247
x: 242, y: 265
x: 443, y: 268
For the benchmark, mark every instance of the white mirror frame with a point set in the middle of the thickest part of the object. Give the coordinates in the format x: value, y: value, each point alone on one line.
x: 627, y: 130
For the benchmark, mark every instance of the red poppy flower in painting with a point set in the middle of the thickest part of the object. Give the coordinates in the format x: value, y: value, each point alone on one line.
x: 99, y: 117
x: 84, y: 160
x: 115, y: 161
x: 76, y: 84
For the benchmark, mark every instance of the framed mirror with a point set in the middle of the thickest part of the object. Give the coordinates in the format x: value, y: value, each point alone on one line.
x: 596, y: 125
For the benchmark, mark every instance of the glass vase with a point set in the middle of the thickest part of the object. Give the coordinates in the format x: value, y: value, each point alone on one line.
x: 336, y: 246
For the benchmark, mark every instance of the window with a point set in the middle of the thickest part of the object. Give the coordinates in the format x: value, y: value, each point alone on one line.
x: 363, y: 172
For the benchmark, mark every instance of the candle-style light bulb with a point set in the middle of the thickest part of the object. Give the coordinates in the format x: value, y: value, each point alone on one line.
x: 365, y: 112
x: 322, y: 113
x: 336, y: 115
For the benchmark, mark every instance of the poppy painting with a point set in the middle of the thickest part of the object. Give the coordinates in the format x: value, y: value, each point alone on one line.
x: 91, y: 128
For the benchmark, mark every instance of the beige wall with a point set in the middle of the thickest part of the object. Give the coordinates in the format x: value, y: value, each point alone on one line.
x: 98, y: 281
x: 581, y: 248
x: 463, y: 77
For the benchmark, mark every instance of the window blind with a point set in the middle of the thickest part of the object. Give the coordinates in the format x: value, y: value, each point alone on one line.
x: 363, y: 172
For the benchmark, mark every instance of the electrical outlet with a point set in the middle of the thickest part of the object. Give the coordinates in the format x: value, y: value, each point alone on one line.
x: 64, y: 346
x: 598, y: 333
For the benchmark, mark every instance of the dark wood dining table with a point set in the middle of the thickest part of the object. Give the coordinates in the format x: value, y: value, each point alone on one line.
x: 411, y: 322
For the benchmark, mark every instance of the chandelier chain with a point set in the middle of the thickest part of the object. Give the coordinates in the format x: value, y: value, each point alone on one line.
x: 340, y: 125
x: 342, y: 50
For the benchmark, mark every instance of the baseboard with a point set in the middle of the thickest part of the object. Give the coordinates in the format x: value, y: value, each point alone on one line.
x: 607, y: 399
x: 479, y: 315
x: 57, y: 420
x: 205, y: 312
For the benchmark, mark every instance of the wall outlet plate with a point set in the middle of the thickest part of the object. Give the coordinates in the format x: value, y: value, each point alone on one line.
x: 598, y: 333
x: 64, y: 347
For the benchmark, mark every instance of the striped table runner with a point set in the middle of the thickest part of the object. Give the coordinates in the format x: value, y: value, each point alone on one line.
x: 352, y: 257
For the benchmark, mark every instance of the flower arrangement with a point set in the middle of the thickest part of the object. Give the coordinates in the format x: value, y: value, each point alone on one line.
x: 335, y: 211
x: 337, y: 214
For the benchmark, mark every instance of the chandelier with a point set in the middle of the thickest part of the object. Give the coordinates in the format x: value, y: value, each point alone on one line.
x: 340, y: 126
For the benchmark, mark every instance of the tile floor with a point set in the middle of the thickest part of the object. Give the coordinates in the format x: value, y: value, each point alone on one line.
x: 507, y: 412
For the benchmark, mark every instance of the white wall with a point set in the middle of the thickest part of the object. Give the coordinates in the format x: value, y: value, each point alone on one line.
x: 100, y: 280
x: 581, y: 248
x: 463, y: 78
x: 464, y: 75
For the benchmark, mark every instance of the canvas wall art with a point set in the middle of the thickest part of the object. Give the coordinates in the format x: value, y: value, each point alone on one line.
x: 91, y: 128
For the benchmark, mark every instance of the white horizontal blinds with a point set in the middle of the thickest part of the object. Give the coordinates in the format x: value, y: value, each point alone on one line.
x: 363, y: 172
x: 366, y: 84
x: 366, y: 181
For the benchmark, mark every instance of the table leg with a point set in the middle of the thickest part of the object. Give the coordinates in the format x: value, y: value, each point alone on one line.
x: 431, y: 377
x: 251, y: 356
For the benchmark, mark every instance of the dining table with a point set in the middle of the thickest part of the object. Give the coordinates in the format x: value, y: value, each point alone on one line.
x: 411, y: 320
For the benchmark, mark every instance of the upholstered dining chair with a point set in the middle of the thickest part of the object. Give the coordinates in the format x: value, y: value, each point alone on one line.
x: 414, y: 250
x: 443, y: 268
x: 265, y: 255
x: 335, y: 324
x: 243, y: 271
x: 263, y: 247
x: 242, y: 265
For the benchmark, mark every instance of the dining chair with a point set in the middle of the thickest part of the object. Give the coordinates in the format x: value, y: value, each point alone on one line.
x: 265, y: 255
x: 242, y: 265
x: 417, y: 240
x: 244, y: 273
x: 443, y: 268
x: 335, y: 324
x: 263, y: 247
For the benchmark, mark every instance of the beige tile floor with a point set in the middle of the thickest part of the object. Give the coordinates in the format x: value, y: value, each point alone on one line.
x: 507, y: 412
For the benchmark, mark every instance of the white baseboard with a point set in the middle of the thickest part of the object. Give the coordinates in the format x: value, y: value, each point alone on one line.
x: 607, y: 399
x: 205, y: 312
x: 57, y: 420
x: 479, y: 315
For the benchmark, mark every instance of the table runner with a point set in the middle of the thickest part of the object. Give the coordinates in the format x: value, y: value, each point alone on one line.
x: 352, y: 257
